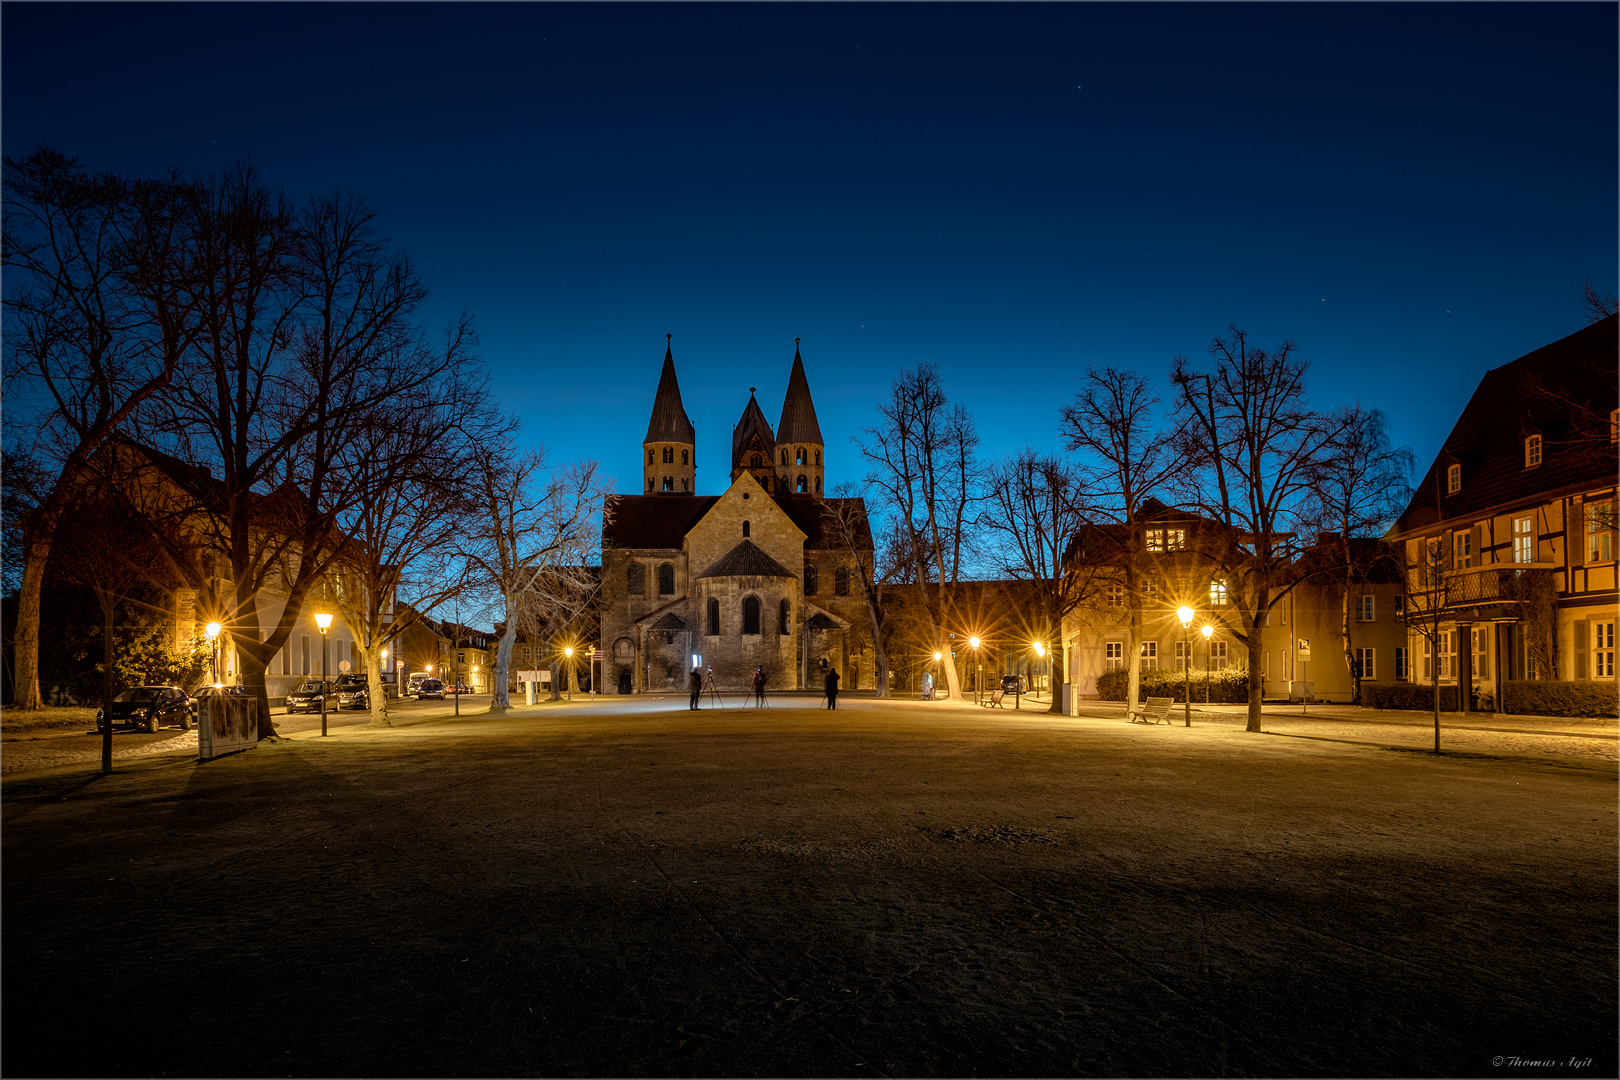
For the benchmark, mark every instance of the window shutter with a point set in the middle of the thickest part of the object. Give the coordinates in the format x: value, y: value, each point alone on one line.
x: 1483, y: 670
x: 1575, y: 534
x: 1583, y: 645
x: 1477, y: 546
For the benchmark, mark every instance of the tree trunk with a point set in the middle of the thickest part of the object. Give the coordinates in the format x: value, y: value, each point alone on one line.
x: 1257, y: 683
x: 1057, y: 675
x: 1349, y: 647
x: 106, y: 600
x: 376, y: 689
x: 500, y: 699
x: 25, y: 650
x: 880, y: 655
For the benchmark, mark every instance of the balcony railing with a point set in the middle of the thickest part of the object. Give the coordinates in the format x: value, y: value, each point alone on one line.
x: 1478, y: 587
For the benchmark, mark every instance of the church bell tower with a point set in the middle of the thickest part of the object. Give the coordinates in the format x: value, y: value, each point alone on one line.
x: 669, y: 452
x: 799, y: 445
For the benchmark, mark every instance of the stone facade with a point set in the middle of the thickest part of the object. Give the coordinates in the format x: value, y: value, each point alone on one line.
x: 737, y: 581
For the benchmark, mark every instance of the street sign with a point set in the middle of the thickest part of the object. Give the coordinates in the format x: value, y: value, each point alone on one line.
x: 1304, y: 648
x: 343, y: 665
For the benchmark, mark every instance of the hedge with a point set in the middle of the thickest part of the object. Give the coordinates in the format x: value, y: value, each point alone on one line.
x: 1229, y: 687
x: 1409, y: 696
x: 1548, y: 698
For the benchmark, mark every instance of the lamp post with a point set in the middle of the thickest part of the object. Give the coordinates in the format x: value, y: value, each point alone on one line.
x: 978, y: 671
x: 1185, y: 614
x: 935, y: 676
x: 1208, y: 631
x: 323, y: 621
x: 1040, y: 653
x: 572, y: 674
x: 212, y: 630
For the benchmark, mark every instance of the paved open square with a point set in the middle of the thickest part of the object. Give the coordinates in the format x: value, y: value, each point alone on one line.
x: 899, y: 889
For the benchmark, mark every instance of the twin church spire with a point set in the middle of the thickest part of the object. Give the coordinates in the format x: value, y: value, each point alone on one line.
x: 788, y: 460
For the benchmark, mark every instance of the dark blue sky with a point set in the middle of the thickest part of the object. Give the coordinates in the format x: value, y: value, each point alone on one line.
x: 1413, y: 193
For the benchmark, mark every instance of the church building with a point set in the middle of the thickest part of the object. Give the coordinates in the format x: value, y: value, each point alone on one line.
x: 755, y: 577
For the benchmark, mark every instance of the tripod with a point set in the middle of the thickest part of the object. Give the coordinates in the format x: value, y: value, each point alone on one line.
x: 709, y: 692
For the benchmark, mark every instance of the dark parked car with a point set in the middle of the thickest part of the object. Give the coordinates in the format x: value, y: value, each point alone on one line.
x: 307, y: 695
x: 149, y: 708
x: 459, y: 688
x: 430, y: 688
x: 353, y: 692
x: 1012, y: 684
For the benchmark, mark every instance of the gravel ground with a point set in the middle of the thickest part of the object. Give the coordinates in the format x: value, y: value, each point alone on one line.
x: 892, y: 889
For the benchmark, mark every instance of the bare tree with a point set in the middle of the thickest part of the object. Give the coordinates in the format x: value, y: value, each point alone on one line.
x: 1124, y: 462
x: 844, y: 518
x: 1036, y: 514
x: 1255, y: 448
x: 1424, y: 588
x: 922, y: 458
x: 530, y: 541
x: 1352, y: 498
x: 96, y: 327
x: 306, y: 331
x: 1599, y: 306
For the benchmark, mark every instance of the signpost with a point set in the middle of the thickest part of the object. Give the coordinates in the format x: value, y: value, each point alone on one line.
x: 1305, y: 686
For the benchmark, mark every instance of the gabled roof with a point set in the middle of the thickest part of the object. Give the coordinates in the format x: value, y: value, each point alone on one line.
x: 752, y: 424
x: 669, y: 422
x: 798, y: 424
x: 747, y: 559
x: 808, y: 513
x: 1516, y: 400
x: 652, y: 521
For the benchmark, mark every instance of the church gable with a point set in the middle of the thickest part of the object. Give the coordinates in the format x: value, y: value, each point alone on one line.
x: 722, y: 528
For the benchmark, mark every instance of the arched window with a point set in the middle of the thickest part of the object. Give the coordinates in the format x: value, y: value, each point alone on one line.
x: 635, y: 580
x: 753, y: 462
x: 784, y: 483
x: 818, y: 485
x: 809, y: 581
x: 666, y: 579
x: 669, y: 483
x: 650, y: 457
x: 784, y: 455
x: 803, y: 485
x: 683, y: 484
x: 649, y: 483
x: 669, y: 455
x: 751, y: 615
x: 714, y: 617
x: 798, y: 456
x: 818, y: 457
x: 683, y: 457
x: 745, y: 530
x: 841, y: 581
x: 1454, y: 480
x: 787, y: 614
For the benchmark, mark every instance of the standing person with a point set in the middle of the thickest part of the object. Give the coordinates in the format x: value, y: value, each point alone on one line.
x: 759, y: 686
x: 697, y: 686
x: 832, y: 688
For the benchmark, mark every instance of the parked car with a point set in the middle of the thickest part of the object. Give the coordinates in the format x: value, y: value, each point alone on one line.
x: 1012, y: 684
x: 458, y: 688
x: 149, y: 708
x: 307, y: 695
x: 353, y: 692
x: 430, y: 688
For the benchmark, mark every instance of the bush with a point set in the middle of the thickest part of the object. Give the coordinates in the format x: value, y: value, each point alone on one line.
x: 1408, y: 696
x: 1229, y: 687
x: 1548, y: 698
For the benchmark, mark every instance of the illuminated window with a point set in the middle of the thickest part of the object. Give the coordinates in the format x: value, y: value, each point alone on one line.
x: 1175, y: 539
x: 1367, y: 663
x: 1364, y: 608
x: 1183, y: 650
x: 1448, y: 653
x: 1463, y: 549
x: 1524, y: 539
x: 1155, y: 539
x: 1114, y: 656
x: 1599, y: 532
x: 1532, y: 451
x: 1218, y: 658
x: 1150, y: 656
x: 1603, y: 650
x: 1454, y: 480
x: 1217, y: 592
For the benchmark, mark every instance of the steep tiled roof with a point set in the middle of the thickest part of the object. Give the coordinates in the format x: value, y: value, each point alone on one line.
x: 652, y: 521
x: 798, y: 424
x: 753, y: 423
x: 747, y: 559
x: 806, y: 511
x: 669, y: 422
x: 1511, y: 402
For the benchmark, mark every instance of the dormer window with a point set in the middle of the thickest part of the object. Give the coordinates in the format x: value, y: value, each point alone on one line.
x: 1532, y: 452
x: 1453, y: 479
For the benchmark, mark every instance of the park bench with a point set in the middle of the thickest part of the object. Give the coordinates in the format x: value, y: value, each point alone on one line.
x: 994, y: 701
x: 1153, y: 710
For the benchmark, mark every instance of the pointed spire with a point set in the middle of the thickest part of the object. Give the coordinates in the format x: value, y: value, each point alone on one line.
x: 752, y: 424
x: 669, y: 422
x: 798, y: 424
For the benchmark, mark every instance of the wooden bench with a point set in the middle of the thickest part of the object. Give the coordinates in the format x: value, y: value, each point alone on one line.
x: 994, y: 701
x: 1152, y: 711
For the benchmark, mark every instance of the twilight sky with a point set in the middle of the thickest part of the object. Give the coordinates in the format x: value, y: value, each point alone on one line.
x: 1414, y: 193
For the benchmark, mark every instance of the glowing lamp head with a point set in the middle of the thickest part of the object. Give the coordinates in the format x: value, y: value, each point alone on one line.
x: 937, y: 656
x: 569, y: 652
x: 212, y: 630
x: 323, y: 620
x: 385, y: 654
x: 1185, y: 614
x: 973, y: 642
x: 1208, y: 631
x: 1040, y: 650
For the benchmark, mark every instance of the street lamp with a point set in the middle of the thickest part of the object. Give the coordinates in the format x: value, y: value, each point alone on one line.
x: 212, y: 630
x: 323, y: 621
x: 978, y: 671
x: 1208, y: 631
x: 1185, y: 614
x: 572, y: 674
x: 1040, y: 652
